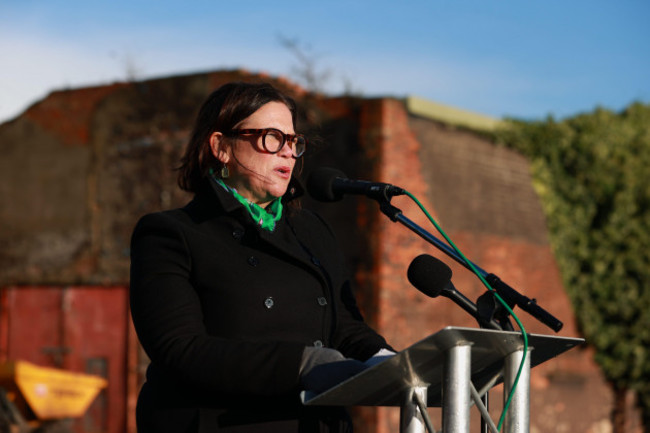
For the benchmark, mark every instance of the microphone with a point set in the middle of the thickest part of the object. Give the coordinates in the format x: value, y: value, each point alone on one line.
x: 429, y: 275
x: 328, y: 184
x: 433, y: 278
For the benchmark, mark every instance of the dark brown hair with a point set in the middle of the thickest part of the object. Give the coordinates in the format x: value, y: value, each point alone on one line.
x: 222, y: 111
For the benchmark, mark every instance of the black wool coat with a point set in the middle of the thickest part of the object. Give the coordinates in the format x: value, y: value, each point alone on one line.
x: 224, y: 310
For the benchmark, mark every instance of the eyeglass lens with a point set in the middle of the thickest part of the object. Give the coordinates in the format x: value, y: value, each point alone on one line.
x: 274, y: 140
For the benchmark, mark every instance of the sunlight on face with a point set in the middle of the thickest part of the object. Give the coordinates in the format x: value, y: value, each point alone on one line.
x: 256, y: 174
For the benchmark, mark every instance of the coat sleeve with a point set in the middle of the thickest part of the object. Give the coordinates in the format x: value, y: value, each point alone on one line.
x: 168, y: 320
x: 352, y: 335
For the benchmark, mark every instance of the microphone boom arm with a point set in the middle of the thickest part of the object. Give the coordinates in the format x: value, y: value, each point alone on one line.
x: 509, y: 295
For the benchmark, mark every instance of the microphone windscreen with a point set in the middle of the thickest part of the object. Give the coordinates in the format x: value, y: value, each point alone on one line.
x: 320, y: 184
x: 429, y: 275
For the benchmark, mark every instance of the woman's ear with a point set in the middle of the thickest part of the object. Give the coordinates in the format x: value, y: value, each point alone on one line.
x: 218, y: 147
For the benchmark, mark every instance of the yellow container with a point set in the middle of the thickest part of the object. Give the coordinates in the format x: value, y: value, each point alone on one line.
x: 51, y: 393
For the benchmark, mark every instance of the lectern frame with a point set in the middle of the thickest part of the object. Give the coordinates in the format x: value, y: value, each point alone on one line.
x: 441, y: 369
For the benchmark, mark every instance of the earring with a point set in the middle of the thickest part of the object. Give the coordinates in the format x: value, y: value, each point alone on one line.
x: 225, y: 173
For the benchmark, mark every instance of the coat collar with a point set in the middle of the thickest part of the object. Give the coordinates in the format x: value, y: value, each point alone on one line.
x: 295, y: 190
x: 230, y: 204
x: 212, y: 200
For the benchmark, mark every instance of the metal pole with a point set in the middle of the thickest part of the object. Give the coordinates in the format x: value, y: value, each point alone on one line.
x: 456, y: 389
x: 517, y: 418
x: 411, y: 420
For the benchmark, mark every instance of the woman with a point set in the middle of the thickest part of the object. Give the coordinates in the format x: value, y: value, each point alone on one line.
x: 239, y: 298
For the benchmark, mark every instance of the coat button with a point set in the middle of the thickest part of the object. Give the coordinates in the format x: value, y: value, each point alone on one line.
x: 315, y: 261
x: 322, y: 301
x: 253, y: 261
x: 318, y: 343
x: 268, y: 303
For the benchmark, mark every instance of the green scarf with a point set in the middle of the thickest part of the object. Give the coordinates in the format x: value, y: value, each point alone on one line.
x: 265, y: 218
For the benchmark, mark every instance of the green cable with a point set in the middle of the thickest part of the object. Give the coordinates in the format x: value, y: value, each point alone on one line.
x: 505, y: 304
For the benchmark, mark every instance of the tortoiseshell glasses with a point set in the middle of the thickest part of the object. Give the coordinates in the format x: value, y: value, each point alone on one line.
x: 273, y: 139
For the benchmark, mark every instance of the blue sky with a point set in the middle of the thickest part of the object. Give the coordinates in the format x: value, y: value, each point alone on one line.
x: 525, y: 59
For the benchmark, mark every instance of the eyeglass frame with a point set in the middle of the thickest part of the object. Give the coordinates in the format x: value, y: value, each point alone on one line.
x: 264, y: 132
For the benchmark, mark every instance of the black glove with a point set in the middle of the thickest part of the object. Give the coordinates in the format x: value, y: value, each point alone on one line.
x: 322, y: 368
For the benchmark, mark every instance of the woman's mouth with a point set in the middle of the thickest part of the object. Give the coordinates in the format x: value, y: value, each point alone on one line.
x: 284, y: 171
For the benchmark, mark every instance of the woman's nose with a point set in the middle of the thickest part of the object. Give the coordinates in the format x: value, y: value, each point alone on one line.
x: 287, y: 150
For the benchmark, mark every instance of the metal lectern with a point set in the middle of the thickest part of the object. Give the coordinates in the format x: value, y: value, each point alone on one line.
x: 445, y: 370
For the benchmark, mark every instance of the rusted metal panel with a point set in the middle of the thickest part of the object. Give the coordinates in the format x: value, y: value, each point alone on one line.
x: 34, y: 326
x: 83, y: 329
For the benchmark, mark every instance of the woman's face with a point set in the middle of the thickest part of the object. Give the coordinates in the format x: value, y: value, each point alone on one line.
x: 256, y: 174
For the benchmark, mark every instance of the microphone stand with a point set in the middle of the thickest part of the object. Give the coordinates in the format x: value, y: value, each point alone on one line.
x: 487, y: 305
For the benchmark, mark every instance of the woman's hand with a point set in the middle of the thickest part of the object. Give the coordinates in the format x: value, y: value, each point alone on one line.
x: 322, y: 368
